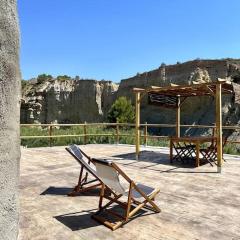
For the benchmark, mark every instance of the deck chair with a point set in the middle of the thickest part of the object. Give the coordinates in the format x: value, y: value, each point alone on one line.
x: 137, y: 196
x: 210, y: 153
x: 87, y: 166
x: 183, y: 152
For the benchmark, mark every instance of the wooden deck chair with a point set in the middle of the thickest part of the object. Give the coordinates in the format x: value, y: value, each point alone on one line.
x: 210, y: 153
x: 137, y: 196
x: 86, y: 164
x: 183, y: 152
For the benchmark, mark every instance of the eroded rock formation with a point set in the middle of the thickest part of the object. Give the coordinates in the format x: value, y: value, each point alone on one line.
x: 88, y: 100
x: 195, y: 110
x: 69, y: 101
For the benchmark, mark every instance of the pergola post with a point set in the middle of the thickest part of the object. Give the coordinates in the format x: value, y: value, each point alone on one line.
x: 137, y: 125
x: 178, y: 117
x: 218, y: 101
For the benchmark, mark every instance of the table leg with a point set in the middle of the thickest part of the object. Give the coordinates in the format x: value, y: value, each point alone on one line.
x: 197, y: 154
x: 171, y: 151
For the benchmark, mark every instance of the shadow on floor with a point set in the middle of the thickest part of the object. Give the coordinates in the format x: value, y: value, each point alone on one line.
x: 77, y: 221
x: 156, y: 158
x: 82, y: 220
x: 65, y: 190
x: 146, y: 156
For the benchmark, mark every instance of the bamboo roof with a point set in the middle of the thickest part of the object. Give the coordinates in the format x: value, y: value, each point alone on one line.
x: 195, y: 89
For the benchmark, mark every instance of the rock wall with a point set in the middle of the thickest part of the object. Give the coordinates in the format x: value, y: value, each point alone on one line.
x: 9, y: 119
x: 199, y: 110
x: 88, y: 100
x: 69, y: 101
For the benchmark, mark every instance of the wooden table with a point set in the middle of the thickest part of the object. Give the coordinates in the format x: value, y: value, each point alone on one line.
x: 190, y: 140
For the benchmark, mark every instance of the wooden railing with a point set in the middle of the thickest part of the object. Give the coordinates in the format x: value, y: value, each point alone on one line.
x: 117, y: 134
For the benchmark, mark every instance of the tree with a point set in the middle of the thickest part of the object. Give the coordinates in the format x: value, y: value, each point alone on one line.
x: 44, y: 78
x: 121, y: 111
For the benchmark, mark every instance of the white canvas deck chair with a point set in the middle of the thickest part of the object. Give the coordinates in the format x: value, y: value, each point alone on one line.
x: 137, y: 196
x: 87, y: 166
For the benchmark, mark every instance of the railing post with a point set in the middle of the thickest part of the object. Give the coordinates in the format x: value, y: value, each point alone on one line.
x: 178, y: 118
x: 218, y: 102
x: 137, y: 124
x: 85, y: 132
x: 145, y: 134
x: 50, y: 135
x: 117, y: 133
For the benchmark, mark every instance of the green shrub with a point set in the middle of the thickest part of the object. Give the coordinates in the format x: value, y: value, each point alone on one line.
x: 122, y: 111
x: 24, y: 83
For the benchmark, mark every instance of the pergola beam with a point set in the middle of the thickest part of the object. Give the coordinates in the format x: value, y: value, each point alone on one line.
x: 199, y: 89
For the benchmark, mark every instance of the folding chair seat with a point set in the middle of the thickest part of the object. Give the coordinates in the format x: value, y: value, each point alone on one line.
x: 137, y: 196
x: 87, y: 166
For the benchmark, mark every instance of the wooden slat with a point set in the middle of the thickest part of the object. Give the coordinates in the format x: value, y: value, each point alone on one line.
x: 196, y: 89
x: 178, y: 118
x: 137, y: 127
x: 218, y: 102
x: 156, y: 87
x: 138, y: 89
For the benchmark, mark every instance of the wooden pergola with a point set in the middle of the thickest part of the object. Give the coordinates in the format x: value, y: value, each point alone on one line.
x: 181, y: 93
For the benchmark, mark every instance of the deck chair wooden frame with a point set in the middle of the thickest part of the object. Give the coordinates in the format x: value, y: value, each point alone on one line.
x: 210, y: 153
x: 113, y: 198
x: 184, y: 152
x: 84, y: 184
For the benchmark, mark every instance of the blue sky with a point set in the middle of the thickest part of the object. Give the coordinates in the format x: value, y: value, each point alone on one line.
x: 115, y: 39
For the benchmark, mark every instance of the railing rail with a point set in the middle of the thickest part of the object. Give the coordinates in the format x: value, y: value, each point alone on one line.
x: 116, y: 135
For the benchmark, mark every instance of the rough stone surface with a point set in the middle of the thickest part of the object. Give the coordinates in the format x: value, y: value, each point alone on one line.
x: 69, y: 101
x: 79, y: 101
x: 196, y: 203
x: 195, y: 110
x: 9, y: 119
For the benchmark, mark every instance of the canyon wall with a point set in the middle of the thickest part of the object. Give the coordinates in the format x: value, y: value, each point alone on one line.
x: 89, y: 100
x: 68, y: 101
x: 195, y: 110
x: 9, y: 120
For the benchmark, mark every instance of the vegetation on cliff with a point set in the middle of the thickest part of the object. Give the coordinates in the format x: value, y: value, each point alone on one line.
x: 44, y: 78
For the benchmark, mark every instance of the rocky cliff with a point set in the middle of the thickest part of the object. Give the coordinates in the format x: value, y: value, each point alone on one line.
x: 195, y: 110
x: 68, y: 101
x: 88, y: 100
